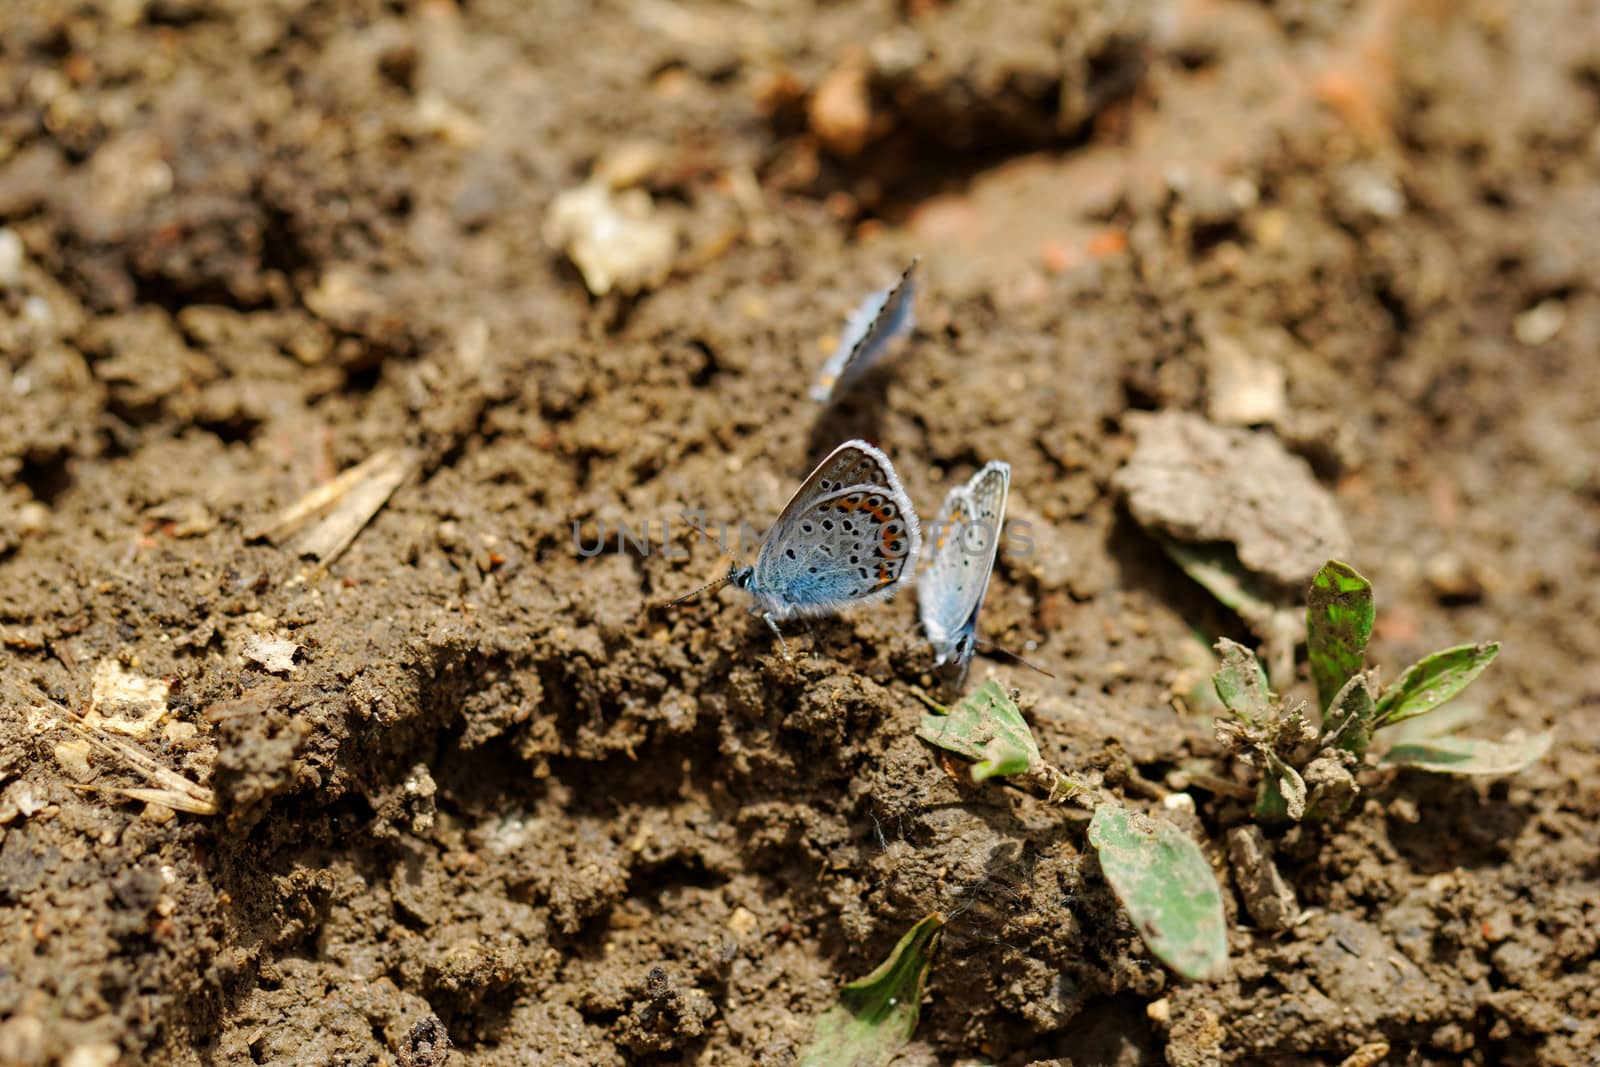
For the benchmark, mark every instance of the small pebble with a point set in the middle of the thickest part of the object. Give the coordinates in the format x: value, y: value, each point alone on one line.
x: 37, y: 314
x: 841, y: 111
x: 22, y: 1041
x: 19, y: 798
x: 270, y: 653
x: 1243, y: 388
x: 32, y: 517
x: 629, y: 163
x: 1540, y: 323
x: 177, y: 732
x: 73, y: 756
x: 102, y: 1054
x: 1368, y: 1055
x: 10, y: 259
x: 617, y: 240
x: 1453, y: 579
x: 1368, y: 190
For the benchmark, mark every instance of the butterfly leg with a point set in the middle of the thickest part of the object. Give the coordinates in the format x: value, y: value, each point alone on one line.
x: 782, y: 644
x: 812, y: 634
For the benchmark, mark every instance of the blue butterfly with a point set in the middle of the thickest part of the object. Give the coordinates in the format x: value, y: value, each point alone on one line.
x: 955, y: 572
x: 882, y: 317
x: 845, y: 537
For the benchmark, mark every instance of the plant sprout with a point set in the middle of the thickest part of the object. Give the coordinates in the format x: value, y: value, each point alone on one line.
x: 1306, y: 769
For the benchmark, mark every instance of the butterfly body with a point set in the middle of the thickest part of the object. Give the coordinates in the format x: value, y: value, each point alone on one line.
x: 959, y: 563
x: 879, y: 319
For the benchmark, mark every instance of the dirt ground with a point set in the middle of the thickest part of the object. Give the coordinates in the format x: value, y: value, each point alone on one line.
x: 250, y: 244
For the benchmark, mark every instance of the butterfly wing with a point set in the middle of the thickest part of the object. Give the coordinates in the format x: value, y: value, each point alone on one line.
x: 882, y: 317
x: 938, y: 580
x: 950, y: 590
x: 853, y: 463
x: 845, y: 537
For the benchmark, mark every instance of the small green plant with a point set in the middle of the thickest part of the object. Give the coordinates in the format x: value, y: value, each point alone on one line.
x: 987, y: 728
x: 1156, y: 870
x: 1307, y: 769
x: 876, y: 1015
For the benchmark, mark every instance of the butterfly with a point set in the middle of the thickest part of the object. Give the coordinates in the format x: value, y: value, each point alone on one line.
x: 956, y: 569
x: 846, y: 537
x: 882, y: 317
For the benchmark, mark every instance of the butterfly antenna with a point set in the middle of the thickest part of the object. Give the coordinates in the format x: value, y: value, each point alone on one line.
x: 724, y: 580
x: 990, y: 646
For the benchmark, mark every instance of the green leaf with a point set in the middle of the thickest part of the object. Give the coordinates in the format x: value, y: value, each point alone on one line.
x: 1217, y: 568
x: 1447, y: 720
x: 1338, y: 625
x: 987, y: 728
x: 1169, y: 890
x: 1282, y: 796
x: 877, y: 1015
x: 1432, y: 681
x: 1470, y: 755
x: 1348, y: 722
x: 1241, y: 683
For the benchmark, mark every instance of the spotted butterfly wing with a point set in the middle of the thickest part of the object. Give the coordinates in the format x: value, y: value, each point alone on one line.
x: 959, y: 563
x: 853, y: 463
x: 882, y: 317
x: 845, y: 537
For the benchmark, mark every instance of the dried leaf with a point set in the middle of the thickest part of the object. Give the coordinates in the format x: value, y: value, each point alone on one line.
x: 342, y: 506
x: 271, y: 653
x: 1197, y: 482
x: 173, y: 789
x: 124, y: 702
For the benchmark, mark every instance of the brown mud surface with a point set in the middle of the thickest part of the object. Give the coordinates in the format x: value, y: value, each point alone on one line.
x: 255, y: 243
